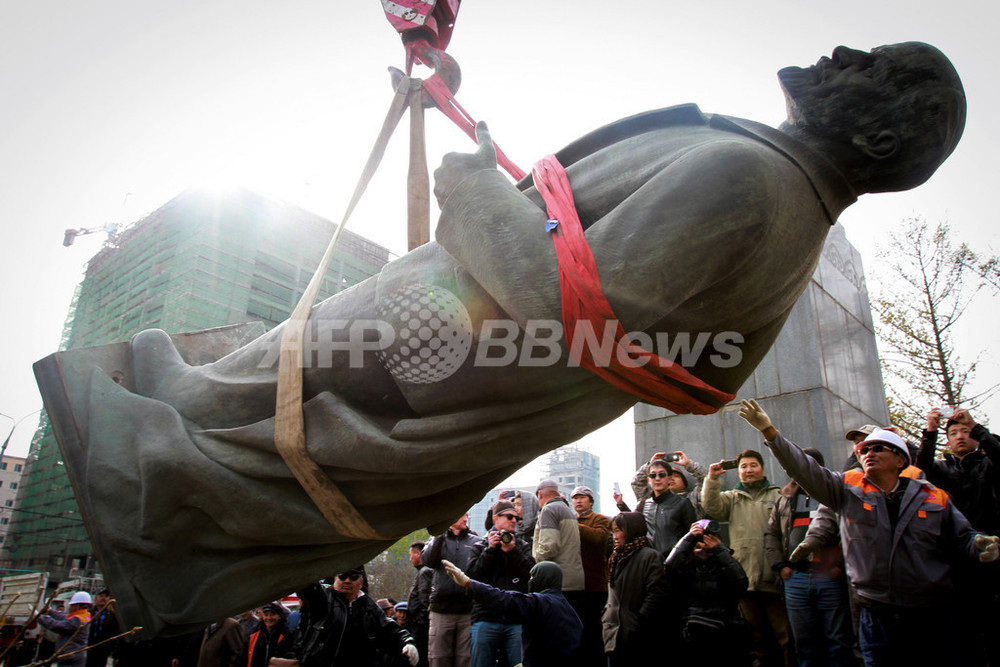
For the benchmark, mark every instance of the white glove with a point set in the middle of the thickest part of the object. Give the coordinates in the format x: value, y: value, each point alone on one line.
x: 455, y: 573
x: 751, y: 411
x: 411, y: 654
x: 987, y: 547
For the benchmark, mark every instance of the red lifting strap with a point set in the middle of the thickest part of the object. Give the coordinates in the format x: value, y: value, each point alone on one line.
x: 450, y: 107
x: 650, y: 377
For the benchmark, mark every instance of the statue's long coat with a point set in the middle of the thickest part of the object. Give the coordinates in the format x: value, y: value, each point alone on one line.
x: 698, y: 224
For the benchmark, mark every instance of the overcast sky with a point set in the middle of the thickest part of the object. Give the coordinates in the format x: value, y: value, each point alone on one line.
x: 112, y: 107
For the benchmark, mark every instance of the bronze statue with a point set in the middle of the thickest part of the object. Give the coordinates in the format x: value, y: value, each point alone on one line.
x: 700, y: 224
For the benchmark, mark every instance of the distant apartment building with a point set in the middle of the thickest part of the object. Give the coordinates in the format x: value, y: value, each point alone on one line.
x: 11, y: 469
x: 202, y: 260
x: 570, y: 466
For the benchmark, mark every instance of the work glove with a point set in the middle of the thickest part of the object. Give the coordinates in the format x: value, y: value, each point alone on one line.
x: 986, y: 545
x: 411, y: 654
x: 456, y: 573
x: 751, y: 411
x: 801, y: 552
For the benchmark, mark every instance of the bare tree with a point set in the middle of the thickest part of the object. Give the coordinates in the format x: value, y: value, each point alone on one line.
x: 986, y: 267
x: 390, y: 573
x: 926, y: 283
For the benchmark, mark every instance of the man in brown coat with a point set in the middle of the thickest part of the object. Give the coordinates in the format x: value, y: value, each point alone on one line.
x: 220, y: 644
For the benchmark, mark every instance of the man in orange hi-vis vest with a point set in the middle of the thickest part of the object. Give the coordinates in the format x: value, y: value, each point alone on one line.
x: 901, y: 536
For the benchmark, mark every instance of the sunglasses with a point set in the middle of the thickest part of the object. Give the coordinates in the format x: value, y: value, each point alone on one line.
x: 658, y: 475
x: 512, y: 517
x: 877, y: 447
x: 349, y: 576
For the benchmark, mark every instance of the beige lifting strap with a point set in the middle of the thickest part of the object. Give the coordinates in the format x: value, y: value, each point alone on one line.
x: 289, y: 422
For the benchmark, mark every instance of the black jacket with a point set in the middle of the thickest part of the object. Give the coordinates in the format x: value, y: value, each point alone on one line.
x: 508, y: 571
x: 973, y: 482
x: 418, y: 600
x: 447, y: 597
x: 260, y: 645
x: 103, y: 625
x: 668, y: 518
x: 710, y: 588
x: 332, y: 632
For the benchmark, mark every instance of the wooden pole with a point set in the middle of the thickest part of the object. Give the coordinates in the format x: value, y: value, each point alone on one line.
x: 418, y: 200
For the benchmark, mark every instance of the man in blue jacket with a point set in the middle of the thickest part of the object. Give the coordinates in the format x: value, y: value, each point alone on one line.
x: 900, y: 534
x: 551, y: 629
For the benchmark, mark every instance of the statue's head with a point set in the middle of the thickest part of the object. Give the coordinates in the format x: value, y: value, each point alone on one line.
x: 897, y: 112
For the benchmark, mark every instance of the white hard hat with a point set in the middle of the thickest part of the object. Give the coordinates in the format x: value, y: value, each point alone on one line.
x: 889, y: 438
x: 80, y: 597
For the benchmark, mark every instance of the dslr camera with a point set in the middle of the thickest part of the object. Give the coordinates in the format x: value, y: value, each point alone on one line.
x: 506, y: 536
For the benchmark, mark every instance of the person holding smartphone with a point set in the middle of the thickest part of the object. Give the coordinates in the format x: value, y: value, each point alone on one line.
x: 685, y: 480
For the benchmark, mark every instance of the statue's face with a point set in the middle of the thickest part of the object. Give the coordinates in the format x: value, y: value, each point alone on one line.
x: 901, y: 106
x: 842, y: 95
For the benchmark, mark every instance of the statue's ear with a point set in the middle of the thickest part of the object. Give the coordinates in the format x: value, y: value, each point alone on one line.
x: 884, y: 145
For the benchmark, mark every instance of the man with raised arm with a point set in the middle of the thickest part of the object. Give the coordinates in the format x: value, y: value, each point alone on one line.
x: 901, y: 535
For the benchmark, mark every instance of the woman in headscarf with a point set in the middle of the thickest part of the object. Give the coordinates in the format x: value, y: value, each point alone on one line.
x: 633, y: 617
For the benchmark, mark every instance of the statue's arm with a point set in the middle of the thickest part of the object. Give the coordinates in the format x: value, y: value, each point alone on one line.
x: 659, y: 242
x: 498, y: 235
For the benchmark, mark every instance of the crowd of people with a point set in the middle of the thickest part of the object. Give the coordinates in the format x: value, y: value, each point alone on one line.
x: 887, y: 562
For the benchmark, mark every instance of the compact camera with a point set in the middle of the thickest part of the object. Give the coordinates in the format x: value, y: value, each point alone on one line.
x: 709, y: 526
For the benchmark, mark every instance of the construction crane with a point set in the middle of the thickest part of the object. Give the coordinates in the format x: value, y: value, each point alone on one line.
x: 111, y: 229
